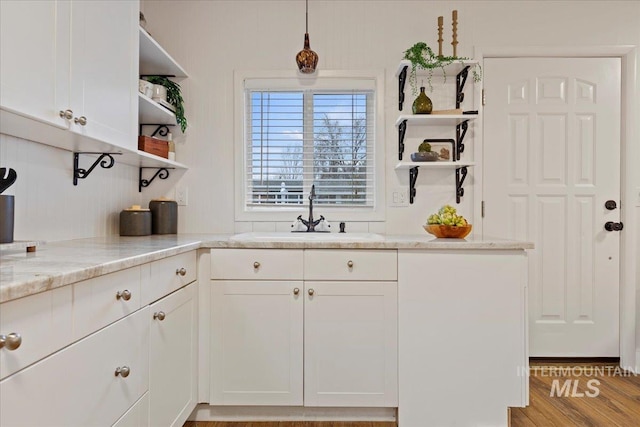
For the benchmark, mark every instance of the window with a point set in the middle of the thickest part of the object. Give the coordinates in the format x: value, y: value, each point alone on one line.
x: 297, y: 135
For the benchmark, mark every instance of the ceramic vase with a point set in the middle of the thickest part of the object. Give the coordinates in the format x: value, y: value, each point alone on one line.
x: 422, y: 104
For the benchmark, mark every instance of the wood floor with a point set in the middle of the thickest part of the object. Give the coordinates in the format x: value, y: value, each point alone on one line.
x: 617, y: 402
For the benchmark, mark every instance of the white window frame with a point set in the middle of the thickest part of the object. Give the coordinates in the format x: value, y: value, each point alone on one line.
x: 322, y: 79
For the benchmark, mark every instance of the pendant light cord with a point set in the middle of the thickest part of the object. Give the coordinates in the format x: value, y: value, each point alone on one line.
x: 306, y: 27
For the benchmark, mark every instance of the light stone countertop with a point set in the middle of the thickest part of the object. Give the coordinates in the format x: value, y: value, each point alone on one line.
x: 57, y: 264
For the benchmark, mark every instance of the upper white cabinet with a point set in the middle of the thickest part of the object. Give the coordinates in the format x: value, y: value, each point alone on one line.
x: 72, y: 65
x: 34, y: 59
x: 103, y: 79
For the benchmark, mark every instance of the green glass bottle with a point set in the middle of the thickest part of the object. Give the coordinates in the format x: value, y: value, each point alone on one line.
x: 422, y: 104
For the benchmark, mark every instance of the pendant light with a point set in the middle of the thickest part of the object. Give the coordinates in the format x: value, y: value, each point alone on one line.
x: 307, y: 59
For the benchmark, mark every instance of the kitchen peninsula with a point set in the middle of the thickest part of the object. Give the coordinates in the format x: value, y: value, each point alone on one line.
x: 446, y: 319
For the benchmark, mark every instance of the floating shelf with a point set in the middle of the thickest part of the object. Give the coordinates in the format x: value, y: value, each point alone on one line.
x: 433, y: 165
x: 451, y: 69
x: 435, y: 119
x: 155, y: 61
x: 152, y: 112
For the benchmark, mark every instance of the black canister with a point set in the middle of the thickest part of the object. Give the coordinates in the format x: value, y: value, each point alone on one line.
x: 164, y: 214
x: 6, y: 218
x: 135, y: 222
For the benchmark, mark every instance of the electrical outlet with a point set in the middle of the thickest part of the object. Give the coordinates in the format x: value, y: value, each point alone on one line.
x: 182, y: 194
x: 400, y: 197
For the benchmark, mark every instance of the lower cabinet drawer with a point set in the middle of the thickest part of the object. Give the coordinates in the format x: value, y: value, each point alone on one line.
x: 167, y: 275
x: 348, y: 264
x: 256, y: 264
x: 103, y: 300
x: 38, y: 325
x: 78, y: 386
x: 137, y: 415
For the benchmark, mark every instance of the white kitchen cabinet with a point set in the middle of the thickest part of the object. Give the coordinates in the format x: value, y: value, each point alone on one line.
x: 351, y: 344
x: 78, y: 57
x: 465, y: 312
x: 104, y: 76
x: 78, y: 386
x: 256, y: 343
x: 137, y: 415
x: 34, y: 59
x: 275, y: 326
x: 173, y: 357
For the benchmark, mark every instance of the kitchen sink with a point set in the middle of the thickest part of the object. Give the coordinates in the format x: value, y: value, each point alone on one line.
x: 302, y: 236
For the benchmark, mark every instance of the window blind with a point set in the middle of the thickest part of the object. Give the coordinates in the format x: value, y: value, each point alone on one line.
x: 296, y: 138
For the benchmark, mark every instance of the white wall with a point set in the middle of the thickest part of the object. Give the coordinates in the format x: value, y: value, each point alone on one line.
x: 213, y: 38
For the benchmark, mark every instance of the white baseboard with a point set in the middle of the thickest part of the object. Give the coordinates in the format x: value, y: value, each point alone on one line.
x: 204, y: 412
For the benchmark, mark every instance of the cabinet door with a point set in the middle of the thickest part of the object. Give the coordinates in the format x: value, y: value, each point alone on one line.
x: 351, y: 344
x: 256, y: 343
x: 78, y: 386
x: 34, y: 59
x: 104, y: 70
x: 173, y: 348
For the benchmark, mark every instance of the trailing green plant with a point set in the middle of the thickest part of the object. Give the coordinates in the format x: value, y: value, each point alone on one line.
x: 422, y: 57
x: 174, y: 97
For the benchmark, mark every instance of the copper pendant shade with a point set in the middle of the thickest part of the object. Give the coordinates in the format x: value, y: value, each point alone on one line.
x: 307, y: 59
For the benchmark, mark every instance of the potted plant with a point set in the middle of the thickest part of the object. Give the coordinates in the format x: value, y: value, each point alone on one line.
x: 422, y: 57
x: 174, y: 97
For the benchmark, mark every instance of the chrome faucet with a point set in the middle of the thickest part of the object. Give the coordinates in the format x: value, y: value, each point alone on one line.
x: 310, y: 223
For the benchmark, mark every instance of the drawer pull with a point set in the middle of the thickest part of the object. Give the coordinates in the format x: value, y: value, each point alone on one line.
x: 159, y: 315
x: 181, y: 271
x: 311, y: 292
x: 123, y: 371
x: 82, y: 120
x: 256, y: 265
x: 296, y: 291
x: 125, y: 295
x: 350, y: 264
x: 11, y: 341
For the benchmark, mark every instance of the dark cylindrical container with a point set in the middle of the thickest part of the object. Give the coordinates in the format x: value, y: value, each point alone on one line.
x: 135, y: 222
x: 6, y: 218
x: 164, y: 214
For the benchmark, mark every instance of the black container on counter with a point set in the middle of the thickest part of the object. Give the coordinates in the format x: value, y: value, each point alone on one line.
x: 164, y: 215
x: 6, y: 218
x: 135, y: 222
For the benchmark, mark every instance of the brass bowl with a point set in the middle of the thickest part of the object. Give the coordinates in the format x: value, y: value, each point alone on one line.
x: 448, y: 231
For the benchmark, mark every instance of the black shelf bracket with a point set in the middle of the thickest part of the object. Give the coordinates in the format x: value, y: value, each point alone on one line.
x: 461, y: 79
x: 402, y: 79
x: 105, y: 160
x: 162, y: 173
x: 461, y: 131
x: 413, y: 177
x: 402, y: 130
x: 162, y: 129
x: 461, y: 174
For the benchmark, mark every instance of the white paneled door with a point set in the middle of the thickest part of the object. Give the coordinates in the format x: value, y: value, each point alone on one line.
x: 551, y: 162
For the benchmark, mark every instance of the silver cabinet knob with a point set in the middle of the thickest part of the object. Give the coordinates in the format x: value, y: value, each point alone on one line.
x: 296, y: 291
x: 256, y: 265
x: 311, y: 292
x: 350, y: 264
x: 82, y: 120
x: 11, y: 341
x: 123, y: 371
x: 181, y: 271
x: 160, y: 315
x: 66, y: 114
x: 125, y: 295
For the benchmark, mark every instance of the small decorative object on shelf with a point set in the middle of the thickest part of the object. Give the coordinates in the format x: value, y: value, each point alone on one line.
x: 422, y: 104
x: 154, y: 146
x: 174, y: 97
x: 424, y: 153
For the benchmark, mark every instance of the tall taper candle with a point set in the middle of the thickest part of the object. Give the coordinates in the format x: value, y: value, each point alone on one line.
x: 440, y: 21
x: 454, y: 24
